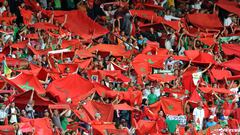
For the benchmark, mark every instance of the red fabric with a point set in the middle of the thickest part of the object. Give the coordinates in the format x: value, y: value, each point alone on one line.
x: 162, y: 77
x: 89, y: 28
x: 42, y: 126
x: 172, y: 106
x: 101, y: 129
x: 146, y: 127
x: 117, y: 131
x: 23, y: 80
x: 73, y: 67
x: 27, y: 15
x: 39, y: 52
x: 218, y: 90
x: 44, y: 26
x: 230, y: 6
x: 231, y: 49
x: 7, y: 130
x: 83, y: 64
x: 199, y: 57
x: 195, y: 97
x: 72, y: 44
x: 106, y: 110
x: 15, y: 62
x: 233, y: 64
x: 83, y: 53
x: 82, y: 115
x: 220, y: 74
x: 145, y: 14
x: 115, y: 50
x: 123, y: 106
x: 79, y: 88
x: 151, y: 6
x: 205, y: 21
x: 22, y: 99
x: 21, y: 45
x: 188, y: 80
x: 208, y: 41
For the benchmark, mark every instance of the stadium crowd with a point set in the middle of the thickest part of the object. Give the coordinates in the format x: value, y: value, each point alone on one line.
x: 119, y: 67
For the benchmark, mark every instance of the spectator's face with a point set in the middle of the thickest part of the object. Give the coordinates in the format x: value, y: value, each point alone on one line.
x: 55, y: 112
x: 12, y: 104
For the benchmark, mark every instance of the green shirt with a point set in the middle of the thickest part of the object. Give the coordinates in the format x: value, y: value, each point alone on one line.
x: 172, y: 125
x: 58, y: 4
x: 64, y: 123
x: 152, y: 98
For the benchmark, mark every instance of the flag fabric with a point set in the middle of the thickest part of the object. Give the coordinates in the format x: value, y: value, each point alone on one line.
x: 25, y: 82
x: 83, y: 115
x: 172, y: 106
x: 7, y: 130
x: 230, y: 6
x: 233, y: 64
x: 44, y: 26
x: 162, y: 77
x: 114, y: 50
x: 78, y: 90
x: 42, y: 126
x: 220, y: 74
x: 204, y: 21
x: 90, y: 29
x: 40, y: 103
x: 6, y: 70
x: 106, y: 110
x: 144, y: 14
x: 231, y: 49
x: 146, y: 127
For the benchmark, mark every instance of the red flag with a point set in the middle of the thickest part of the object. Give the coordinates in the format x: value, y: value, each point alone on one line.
x: 40, y: 103
x: 42, y: 126
x: 230, y: 6
x: 106, y: 110
x: 195, y: 98
x: 73, y: 67
x: 162, y: 77
x: 233, y: 64
x: 26, y: 82
x: 82, y: 115
x: 72, y: 44
x: 83, y: 64
x: 90, y: 29
x: 172, y: 106
x: 220, y: 74
x: 102, y: 129
x: 208, y: 41
x: 231, y: 49
x: 7, y: 130
x: 123, y: 106
x: 21, y: 45
x: 79, y: 88
x: 44, y: 26
x: 145, y: 14
x: 146, y: 127
x: 205, y: 21
x: 83, y: 54
x: 115, y: 50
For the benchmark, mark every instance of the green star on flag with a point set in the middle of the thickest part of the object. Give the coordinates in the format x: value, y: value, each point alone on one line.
x: 26, y: 86
x: 142, y: 69
x: 150, y: 61
x: 170, y: 107
x: 144, y: 15
x: 186, y: 92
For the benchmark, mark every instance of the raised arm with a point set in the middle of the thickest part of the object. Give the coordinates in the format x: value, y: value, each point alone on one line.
x: 207, y: 68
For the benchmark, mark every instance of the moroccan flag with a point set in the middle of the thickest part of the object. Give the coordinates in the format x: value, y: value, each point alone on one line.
x: 39, y: 52
x: 42, y: 126
x: 172, y: 106
x: 83, y: 64
x: 25, y: 82
x: 106, y: 110
x: 73, y: 67
x: 220, y: 74
x: 195, y: 98
x: 21, y: 44
x: 115, y: 50
x: 71, y: 44
x: 123, y: 106
x: 188, y: 80
x: 44, y: 26
x: 144, y: 14
x: 84, y: 54
x: 204, y: 21
x: 40, y: 103
x: 230, y: 6
x: 162, y: 77
x: 102, y: 129
x: 82, y: 115
x: 13, y: 62
x: 231, y: 49
x: 209, y: 41
x: 90, y: 29
x: 146, y: 127
x: 7, y: 130
x: 233, y: 64
x: 6, y: 70
x: 155, y: 108
x: 73, y: 86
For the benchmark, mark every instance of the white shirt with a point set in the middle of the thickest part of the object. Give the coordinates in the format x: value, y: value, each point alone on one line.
x: 13, y: 118
x: 197, y: 5
x: 196, y: 77
x: 146, y: 92
x: 227, y: 21
x: 198, y: 114
x: 168, y: 44
x: 170, y: 18
x: 2, y: 9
